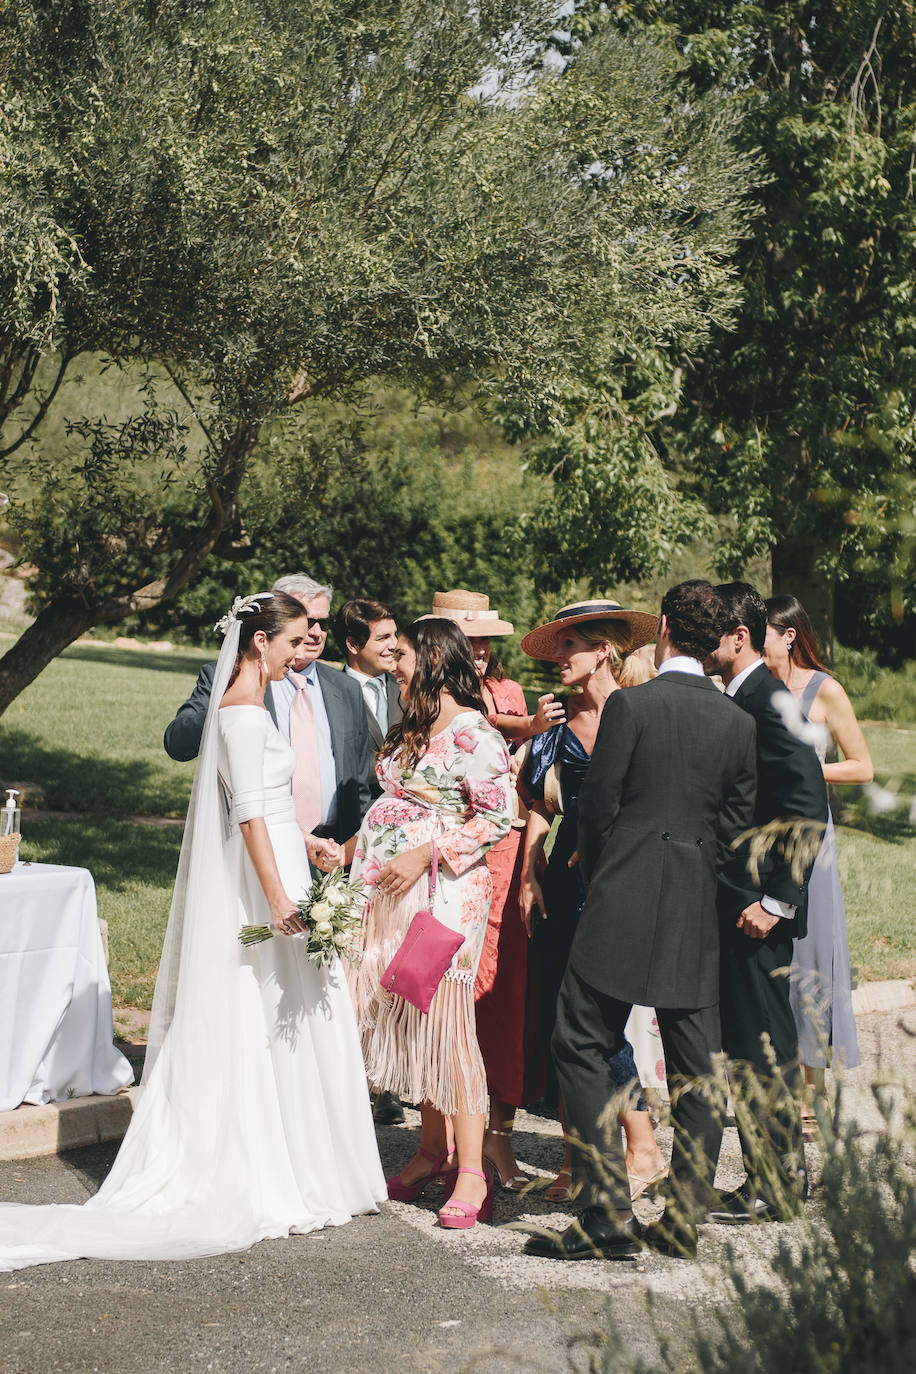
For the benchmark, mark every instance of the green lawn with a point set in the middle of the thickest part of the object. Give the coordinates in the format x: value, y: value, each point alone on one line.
x: 877, y: 861
x: 89, y: 731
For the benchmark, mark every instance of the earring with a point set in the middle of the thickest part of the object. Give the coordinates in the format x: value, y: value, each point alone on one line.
x: 263, y: 663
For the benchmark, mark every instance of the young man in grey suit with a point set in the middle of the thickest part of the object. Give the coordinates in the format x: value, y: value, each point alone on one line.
x: 343, y: 737
x: 671, y: 783
x: 367, y: 633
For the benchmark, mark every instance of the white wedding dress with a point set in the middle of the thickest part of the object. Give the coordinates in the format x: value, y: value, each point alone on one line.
x: 254, y: 1118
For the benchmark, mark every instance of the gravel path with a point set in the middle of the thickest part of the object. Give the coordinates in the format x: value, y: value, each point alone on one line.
x: 387, y: 1291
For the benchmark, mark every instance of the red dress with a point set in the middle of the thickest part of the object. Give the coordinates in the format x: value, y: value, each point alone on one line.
x: 502, y: 974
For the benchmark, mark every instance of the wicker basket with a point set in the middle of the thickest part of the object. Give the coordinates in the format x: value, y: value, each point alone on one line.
x: 9, y: 850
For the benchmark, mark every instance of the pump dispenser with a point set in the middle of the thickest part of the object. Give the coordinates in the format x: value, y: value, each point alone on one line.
x: 11, y: 814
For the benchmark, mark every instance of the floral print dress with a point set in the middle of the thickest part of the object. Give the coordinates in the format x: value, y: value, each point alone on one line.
x: 460, y: 794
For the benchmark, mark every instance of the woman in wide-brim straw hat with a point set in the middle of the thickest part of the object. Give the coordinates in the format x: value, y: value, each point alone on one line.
x: 594, y: 644
x: 504, y: 699
x: 500, y: 987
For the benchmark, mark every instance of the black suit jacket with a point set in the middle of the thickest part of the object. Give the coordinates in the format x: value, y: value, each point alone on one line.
x: 790, y: 786
x: 672, y: 773
x: 343, y: 702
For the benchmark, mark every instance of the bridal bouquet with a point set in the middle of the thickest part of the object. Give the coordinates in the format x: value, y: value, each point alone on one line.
x: 332, y: 916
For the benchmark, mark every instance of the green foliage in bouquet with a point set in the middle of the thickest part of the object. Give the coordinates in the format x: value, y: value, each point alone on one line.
x: 332, y: 916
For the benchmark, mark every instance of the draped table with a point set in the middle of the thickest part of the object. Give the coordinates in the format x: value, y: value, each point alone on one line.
x: 55, y: 995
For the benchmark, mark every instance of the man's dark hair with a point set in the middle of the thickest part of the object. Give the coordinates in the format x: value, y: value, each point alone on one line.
x: 744, y: 606
x: 355, y: 620
x: 696, y: 617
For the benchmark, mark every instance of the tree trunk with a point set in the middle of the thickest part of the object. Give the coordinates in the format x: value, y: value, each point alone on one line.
x: 794, y: 574
x: 66, y: 617
x: 56, y: 626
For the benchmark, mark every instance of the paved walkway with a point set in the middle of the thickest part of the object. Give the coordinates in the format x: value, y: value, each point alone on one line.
x: 387, y: 1291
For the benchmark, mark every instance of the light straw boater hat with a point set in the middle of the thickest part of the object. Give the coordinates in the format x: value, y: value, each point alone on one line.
x: 636, y: 627
x: 470, y: 610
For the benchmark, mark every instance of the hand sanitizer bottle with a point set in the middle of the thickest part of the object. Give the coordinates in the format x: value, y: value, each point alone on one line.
x: 10, y: 816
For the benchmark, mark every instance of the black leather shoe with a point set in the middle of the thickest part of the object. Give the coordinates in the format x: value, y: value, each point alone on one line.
x: 388, y: 1110
x: 593, y: 1236
x: 673, y: 1237
x: 741, y: 1207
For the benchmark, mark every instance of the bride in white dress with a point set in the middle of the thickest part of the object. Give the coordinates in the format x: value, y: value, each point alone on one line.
x: 253, y: 1120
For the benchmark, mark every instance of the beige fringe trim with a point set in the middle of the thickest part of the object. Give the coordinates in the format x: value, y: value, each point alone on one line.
x: 431, y: 1058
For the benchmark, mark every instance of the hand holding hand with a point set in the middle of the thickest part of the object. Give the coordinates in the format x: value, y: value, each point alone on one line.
x: 400, y: 873
x: 756, y: 922
x: 531, y: 901
x: 285, y: 916
x: 549, y: 712
x: 324, y: 854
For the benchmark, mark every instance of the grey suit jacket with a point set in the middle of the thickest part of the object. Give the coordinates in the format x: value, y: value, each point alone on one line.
x: 375, y: 730
x: 672, y: 776
x: 343, y: 702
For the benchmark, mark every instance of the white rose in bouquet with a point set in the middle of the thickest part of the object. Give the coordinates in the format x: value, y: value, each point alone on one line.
x: 321, y: 913
x: 323, y: 927
x: 336, y: 897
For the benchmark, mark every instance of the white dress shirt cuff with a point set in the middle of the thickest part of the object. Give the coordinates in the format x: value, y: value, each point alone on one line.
x: 777, y: 908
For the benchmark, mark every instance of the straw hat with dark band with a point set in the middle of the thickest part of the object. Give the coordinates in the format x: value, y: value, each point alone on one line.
x: 470, y: 610
x: 636, y: 627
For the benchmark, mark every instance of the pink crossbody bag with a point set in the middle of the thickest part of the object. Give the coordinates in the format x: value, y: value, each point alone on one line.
x: 426, y: 952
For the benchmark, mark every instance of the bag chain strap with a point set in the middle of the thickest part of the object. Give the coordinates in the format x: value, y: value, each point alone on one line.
x: 433, y: 872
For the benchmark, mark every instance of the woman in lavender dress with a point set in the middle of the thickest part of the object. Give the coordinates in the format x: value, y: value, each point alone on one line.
x: 820, y: 989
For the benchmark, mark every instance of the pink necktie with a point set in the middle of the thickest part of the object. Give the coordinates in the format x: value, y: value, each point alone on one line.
x: 303, y: 736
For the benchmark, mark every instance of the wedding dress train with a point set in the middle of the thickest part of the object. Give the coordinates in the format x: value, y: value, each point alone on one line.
x: 253, y: 1120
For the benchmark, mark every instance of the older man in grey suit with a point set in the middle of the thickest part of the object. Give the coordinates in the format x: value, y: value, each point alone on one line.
x: 672, y: 778
x: 340, y: 722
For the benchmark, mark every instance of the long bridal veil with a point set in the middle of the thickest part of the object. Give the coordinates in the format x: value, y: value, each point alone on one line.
x: 185, y: 1180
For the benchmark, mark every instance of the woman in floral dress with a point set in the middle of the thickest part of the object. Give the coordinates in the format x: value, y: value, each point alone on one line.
x: 445, y: 775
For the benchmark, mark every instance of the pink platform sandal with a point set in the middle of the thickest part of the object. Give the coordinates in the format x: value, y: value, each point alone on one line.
x: 470, y: 1214
x: 399, y: 1191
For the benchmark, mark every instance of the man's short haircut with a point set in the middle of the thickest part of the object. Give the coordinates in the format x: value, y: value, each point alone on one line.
x: 696, y: 617
x: 356, y: 618
x: 744, y: 606
x: 302, y: 587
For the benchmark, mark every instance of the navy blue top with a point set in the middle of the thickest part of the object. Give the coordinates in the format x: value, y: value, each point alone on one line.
x: 561, y: 746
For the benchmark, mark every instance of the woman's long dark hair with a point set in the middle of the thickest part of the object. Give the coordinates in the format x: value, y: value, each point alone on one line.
x: 444, y: 664
x: 787, y: 613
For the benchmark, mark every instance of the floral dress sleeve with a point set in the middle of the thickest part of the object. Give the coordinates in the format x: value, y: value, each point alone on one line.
x: 481, y: 764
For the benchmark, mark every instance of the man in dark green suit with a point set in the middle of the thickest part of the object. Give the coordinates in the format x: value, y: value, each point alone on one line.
x: 762, y: 910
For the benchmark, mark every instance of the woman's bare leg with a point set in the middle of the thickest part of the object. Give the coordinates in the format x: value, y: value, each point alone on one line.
x: 469, y: 1128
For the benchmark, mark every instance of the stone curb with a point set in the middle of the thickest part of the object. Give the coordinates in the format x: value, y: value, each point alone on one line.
x: 891, y: 995
x: 29, y: 1132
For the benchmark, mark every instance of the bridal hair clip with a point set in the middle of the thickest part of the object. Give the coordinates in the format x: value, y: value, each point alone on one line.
x: 242, y: 605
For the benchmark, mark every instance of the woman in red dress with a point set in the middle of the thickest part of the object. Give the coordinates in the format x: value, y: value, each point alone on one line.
x: 500, y: 990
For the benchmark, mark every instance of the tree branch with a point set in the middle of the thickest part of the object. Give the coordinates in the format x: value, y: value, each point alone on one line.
x: 179, y: 385
x: 42, y: 410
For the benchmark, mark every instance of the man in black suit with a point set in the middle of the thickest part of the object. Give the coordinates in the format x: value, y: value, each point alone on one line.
x: 343, y: 737
x: 367, y: 633
x: 762, y: 909
x: 671, y: 777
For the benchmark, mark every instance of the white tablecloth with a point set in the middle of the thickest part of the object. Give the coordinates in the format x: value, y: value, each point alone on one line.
x: 55, y: 996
